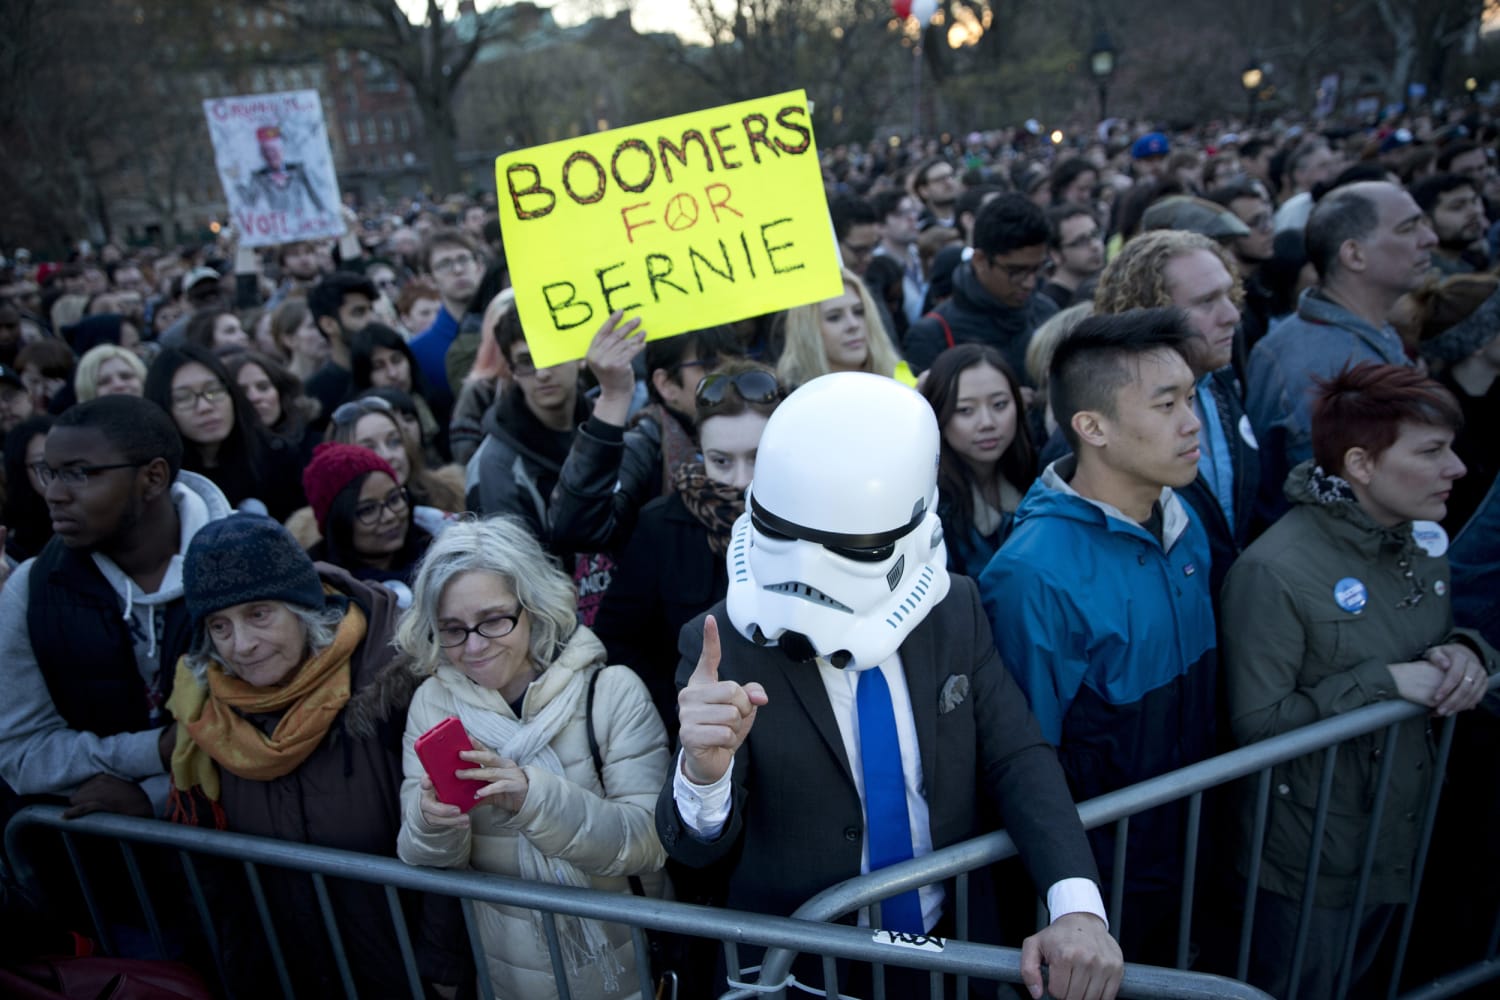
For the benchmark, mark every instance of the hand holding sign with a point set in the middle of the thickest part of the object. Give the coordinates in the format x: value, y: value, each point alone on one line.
x: 611, y: 356
x: 687, y: 222
x: 715, y: 715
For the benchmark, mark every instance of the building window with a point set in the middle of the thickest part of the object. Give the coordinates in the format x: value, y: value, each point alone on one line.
x: 351, y: 132
x: 405, y: 127
x: 387, y: 128
x: 370, y: 135
x: 342, y: 59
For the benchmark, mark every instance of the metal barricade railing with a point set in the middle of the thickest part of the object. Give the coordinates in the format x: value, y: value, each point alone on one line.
x: 732, y: 929
x: 1190, y: 783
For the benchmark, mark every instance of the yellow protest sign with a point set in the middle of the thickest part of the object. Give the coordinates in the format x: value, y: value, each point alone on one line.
x: 688, y: 221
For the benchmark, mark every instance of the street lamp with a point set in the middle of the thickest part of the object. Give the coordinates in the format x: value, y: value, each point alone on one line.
x: 1251, y: 78
x: 1102, y: 67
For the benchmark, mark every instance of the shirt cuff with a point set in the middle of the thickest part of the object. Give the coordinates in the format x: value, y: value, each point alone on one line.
x: 1076, y: 895
x: 704, y: 808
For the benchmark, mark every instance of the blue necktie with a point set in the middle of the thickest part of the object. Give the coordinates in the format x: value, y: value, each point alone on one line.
x: 887, y: 823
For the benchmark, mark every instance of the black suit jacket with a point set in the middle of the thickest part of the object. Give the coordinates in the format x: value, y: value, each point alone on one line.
x: 795, y: 822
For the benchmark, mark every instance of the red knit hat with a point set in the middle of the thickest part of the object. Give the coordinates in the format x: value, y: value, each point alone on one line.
x: 333, y: 467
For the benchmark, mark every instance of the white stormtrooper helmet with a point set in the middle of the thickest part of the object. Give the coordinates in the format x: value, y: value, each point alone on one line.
x: 840, y: 551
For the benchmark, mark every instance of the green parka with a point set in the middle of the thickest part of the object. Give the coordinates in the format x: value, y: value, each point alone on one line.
x: 1313, y: 614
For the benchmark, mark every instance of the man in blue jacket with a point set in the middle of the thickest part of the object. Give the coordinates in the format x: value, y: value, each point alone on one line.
x: 1099, y: 600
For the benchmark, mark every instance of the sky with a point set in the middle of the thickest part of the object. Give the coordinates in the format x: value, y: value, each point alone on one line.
x: 647, y: 15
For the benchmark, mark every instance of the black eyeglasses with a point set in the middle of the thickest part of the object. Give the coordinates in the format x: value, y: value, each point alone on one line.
x: 75, y: 476
x: 354, y: 409
x: 368, y: 513
x: 186, y: 399
x: 497, y: 627
x: 753, y: 386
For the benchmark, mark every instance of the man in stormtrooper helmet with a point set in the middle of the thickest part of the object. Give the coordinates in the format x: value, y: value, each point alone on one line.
x: 842, y: 720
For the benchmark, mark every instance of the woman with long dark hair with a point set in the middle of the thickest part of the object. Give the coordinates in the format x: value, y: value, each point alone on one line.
x: 222, y: 436
x: 987, y: 460
x: 277, y: 396
x: 379, y: 358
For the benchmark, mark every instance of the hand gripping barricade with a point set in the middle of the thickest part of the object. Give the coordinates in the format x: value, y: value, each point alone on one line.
x: 839, y: 553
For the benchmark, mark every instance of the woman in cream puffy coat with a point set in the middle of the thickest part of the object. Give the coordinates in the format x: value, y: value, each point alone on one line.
x: 493, y: 622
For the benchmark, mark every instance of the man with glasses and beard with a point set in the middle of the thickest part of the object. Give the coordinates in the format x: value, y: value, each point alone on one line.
x: 91, y: 628
x: 994, y: 292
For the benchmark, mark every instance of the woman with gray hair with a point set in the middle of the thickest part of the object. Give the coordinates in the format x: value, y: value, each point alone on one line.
x: 289, y: 710
x: 493, y: 625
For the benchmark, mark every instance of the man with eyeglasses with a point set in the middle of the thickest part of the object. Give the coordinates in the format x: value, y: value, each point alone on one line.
x: 900, y: 216
x: 1076, y: 249
x: 341, y: 304
x: 453, y: 260
x: 994, y: 292
x: 91, y: 628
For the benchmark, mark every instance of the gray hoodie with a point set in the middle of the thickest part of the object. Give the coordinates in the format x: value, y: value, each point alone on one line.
x: 39, y: 754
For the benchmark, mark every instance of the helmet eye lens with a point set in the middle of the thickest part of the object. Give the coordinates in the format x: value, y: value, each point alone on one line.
x: 878, y: 554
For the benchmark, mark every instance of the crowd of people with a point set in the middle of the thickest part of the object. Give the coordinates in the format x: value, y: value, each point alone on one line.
x: 1106, y: 459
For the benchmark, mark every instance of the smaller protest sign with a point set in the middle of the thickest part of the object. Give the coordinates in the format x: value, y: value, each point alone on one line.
x: 686, y: 222
x: 276, y: 166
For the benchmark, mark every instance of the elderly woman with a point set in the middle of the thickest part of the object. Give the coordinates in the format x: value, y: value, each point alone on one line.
x: 290, y: 706
x: 1345, y: 602
x: 494, y: 625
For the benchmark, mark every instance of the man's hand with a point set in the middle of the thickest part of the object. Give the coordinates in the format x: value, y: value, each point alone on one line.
x: 1083, y: 961
x: 715, y: 715
x: 611, y: 352
x: 106, y: 793
x: 1464, y: 681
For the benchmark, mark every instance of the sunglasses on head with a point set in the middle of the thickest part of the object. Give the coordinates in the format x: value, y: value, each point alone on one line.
x: 354, y: 409
x: 753, y: 387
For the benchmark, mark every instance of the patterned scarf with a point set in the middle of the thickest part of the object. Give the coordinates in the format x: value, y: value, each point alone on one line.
x: 677, y: 446
x: 212, y: 728
x: 713, y: 505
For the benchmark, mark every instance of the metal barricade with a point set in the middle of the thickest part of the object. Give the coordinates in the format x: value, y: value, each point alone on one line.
x: 732, y: 929
x: 1190, y: 784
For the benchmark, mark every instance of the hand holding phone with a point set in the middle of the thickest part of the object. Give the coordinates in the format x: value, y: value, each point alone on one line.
x: 439, y: 749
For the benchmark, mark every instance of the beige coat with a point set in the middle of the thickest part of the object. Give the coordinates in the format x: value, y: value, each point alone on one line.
x: 606, y: 838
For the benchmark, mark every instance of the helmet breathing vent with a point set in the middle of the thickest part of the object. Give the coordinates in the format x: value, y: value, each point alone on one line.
x: 913, y: 600
x: 808, y: 593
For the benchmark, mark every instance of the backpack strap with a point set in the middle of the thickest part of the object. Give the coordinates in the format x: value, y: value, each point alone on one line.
x: 588, y: 714
x: 943, y: 322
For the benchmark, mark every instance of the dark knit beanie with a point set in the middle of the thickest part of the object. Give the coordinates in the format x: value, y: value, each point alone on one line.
x: 333, y: 467
x: 246, y: 557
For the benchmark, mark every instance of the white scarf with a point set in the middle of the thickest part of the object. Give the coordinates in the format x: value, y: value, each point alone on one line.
x: 583, y: 942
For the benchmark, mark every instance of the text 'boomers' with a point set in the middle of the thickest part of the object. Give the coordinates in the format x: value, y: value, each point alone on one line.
x: 689, y: 221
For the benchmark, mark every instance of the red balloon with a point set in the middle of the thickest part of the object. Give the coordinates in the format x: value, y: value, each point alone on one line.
x: 901, y: 8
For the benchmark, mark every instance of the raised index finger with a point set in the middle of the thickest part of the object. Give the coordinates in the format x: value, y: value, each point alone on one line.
x: 707, y: 670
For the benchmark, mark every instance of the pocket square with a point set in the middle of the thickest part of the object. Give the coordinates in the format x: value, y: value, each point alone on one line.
x: 955, y: 690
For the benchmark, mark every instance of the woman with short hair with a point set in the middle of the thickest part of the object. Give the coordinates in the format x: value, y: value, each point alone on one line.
x: 109, y: 370
x: 1342, y: 603
x: 494, y: 628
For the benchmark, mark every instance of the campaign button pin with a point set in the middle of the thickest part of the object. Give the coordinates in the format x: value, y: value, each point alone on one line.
x: 1350, y: 594
x: 1440, y: 588
x: 1431, y: 537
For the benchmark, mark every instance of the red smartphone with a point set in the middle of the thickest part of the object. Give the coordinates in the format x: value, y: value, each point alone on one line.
x: 438, y: 749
